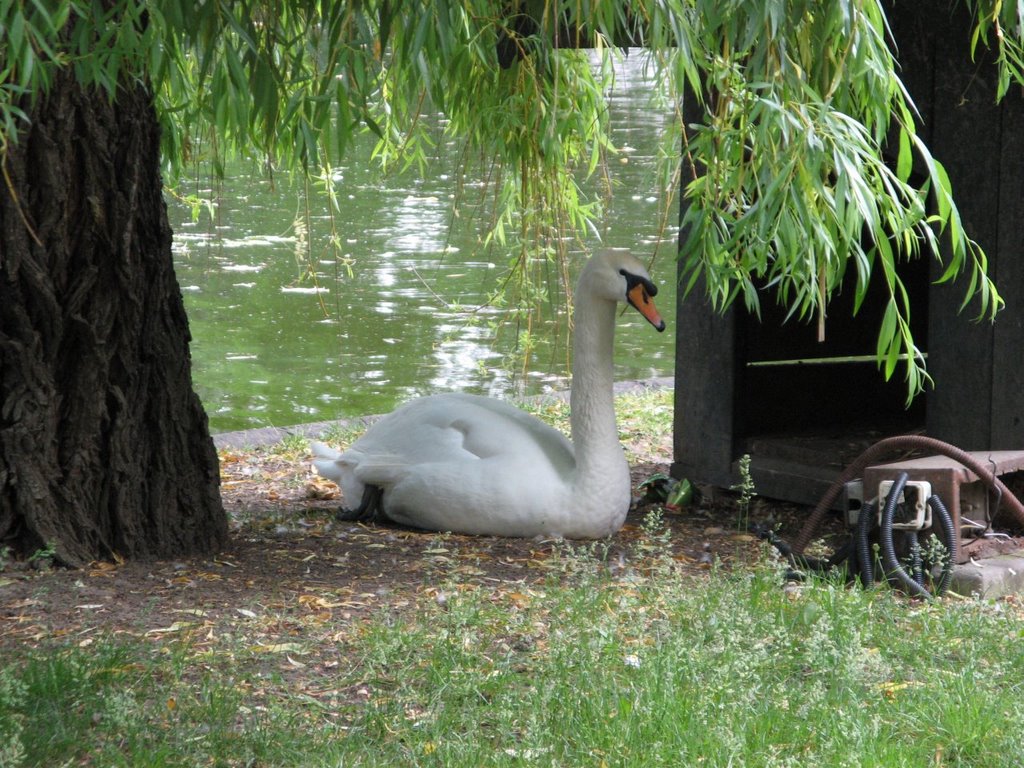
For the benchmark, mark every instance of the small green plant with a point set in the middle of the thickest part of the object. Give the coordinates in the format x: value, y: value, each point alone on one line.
x: 934, y: 556
x: 655, y: 533
x: 44, y: 556
x: 577, y: 561
x: 292, y: 445
x: 746, y: 489
x: 45, y: 552
x: 342, y: 433
x: 934, y: 552
x: 656, y: 542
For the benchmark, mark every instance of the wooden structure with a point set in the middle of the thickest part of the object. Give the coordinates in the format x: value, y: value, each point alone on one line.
x: 737, y: 388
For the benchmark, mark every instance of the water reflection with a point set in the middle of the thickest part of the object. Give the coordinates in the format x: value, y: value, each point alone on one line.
x: 270, y: 346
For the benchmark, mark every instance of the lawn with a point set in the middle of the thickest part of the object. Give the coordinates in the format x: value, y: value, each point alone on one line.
x: 676, y: 643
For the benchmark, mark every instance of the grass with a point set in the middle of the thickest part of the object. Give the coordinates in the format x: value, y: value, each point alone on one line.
x: 596, y: 667
x: 602, y: 664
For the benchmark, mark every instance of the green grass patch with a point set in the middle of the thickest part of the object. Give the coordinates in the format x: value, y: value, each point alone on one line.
x: 598, y: 666
x: 120, y: 704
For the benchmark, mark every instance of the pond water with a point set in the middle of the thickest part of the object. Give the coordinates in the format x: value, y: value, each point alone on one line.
x: 273, y: 347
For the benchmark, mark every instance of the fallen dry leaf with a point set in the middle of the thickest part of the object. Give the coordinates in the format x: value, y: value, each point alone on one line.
x: 278, y: 648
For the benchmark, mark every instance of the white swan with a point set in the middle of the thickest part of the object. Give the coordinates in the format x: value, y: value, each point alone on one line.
x: 471, y: 464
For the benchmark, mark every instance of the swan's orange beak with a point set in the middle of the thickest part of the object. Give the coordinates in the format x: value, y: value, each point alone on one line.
x: 642, y: 302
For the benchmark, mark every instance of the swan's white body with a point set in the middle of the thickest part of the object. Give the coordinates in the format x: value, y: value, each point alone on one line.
x: 470, y: 464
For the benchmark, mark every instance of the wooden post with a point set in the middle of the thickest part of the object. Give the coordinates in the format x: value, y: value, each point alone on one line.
x: 704, y: 427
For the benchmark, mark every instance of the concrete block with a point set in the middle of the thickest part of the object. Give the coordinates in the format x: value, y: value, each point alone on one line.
x: 990, y: 577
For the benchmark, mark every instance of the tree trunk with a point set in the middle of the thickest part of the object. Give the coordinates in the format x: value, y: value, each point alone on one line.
x: 105, y: 450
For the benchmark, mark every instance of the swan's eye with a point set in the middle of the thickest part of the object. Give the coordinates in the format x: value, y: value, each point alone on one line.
x: 639, y: 291
x: 632, y: 281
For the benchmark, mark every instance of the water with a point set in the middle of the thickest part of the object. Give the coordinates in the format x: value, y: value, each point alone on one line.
x: 271, y: 349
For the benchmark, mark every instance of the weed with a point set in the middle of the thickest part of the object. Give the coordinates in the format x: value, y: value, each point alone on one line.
x: 746, y: 490
x: 576, y: 562
x: 656, y: 543
x: 44, y: 556
x: 291, y: 446
x: 934, y: 554
x: 342, y: 433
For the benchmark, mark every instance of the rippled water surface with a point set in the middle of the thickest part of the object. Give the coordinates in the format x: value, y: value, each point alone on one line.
x: 273, y: 347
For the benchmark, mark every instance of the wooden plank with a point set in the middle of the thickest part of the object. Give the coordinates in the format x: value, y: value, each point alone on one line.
x: 795, y: 482
x: 1008, y: 332
x: 912, y: 27
x: 965, y: 138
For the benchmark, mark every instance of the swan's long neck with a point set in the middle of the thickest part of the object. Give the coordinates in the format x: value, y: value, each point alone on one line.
x: 602, y: 474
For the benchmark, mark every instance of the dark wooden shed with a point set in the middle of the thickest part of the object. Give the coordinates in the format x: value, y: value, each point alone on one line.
x: 738, y: 389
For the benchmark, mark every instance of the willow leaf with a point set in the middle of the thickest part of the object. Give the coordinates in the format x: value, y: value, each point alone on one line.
x: 905, y: 159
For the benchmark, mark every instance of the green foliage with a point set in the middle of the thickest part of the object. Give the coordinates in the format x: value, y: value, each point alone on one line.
x: 113, y: 704
x: 13, y: 696
x: 747, y: 491
x: 796, y: 189
x: 792, y: 187
x: 1003, y: 21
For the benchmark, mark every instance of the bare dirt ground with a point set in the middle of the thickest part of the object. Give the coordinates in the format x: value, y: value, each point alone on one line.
x: 290, y: 566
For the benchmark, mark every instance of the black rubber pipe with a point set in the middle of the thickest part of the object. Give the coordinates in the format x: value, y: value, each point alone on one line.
x: 952, y: 547
x: 865, y: 564
x: 915, y: 586
x: 893, y: 570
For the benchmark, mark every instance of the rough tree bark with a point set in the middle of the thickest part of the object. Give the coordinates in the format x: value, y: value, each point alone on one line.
x: 105, y: 450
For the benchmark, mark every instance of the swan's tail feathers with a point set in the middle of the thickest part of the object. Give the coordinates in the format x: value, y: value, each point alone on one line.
x: 325, y: 459
x: 322, y: 451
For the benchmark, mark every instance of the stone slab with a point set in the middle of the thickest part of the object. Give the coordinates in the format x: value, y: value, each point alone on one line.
x: 990, y: 577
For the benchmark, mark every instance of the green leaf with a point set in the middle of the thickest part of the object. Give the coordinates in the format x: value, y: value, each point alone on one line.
x: 887, y: 336
x: 905, y: 159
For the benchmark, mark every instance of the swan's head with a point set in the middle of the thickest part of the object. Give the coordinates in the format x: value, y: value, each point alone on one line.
x: 619, y: 276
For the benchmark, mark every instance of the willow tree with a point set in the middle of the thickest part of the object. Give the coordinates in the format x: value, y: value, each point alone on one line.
x: 104, y: 447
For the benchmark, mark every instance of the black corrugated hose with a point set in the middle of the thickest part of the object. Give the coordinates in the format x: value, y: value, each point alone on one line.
x: 912, y: 585
x: 860, y: 552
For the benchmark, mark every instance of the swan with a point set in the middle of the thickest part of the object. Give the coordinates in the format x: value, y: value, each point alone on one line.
x: 476, y: 465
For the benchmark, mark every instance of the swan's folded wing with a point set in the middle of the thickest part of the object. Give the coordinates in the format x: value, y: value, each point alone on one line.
x: 389, y: 458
